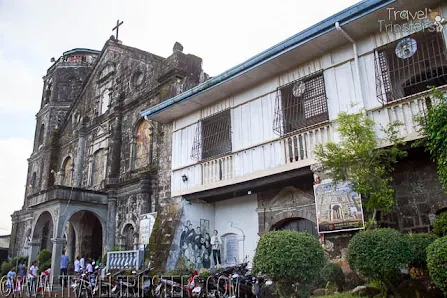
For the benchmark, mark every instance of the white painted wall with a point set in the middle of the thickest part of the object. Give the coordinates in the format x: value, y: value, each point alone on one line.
x: 255, y: 145
x: 242, y: 213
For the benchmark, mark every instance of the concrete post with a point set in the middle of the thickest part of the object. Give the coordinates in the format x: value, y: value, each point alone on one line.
x: 58, y: 244
x: 34, y: 247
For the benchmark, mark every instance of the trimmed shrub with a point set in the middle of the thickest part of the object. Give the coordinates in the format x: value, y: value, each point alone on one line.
x: 419, y: 243
x: 437, y: 263
x: 332, y: 273
x: 379, y: 254
x: 44, y: 259
x: 440, y: 225
x: 293, y: 259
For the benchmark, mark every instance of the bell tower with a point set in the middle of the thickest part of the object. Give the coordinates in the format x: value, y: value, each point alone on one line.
x: 61, y: 85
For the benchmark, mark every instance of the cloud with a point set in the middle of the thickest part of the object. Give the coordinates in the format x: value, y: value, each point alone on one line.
x: 14, y: 166
x: 20, y: 87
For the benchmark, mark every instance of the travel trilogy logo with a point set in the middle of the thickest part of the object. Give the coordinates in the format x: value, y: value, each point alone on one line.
x: 420, y: 20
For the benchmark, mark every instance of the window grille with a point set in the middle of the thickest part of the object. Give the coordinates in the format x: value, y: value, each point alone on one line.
x: 400, y: 77
x: 213, y: 136
x: 300, y: 104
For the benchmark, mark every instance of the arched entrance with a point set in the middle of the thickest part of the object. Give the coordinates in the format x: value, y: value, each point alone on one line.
x: 84, y: 234
x: 297, y: 224
x: 128, y: 234
x: 43, y: 231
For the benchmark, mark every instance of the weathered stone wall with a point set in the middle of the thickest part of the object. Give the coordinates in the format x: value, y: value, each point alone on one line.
x: 419, y: 195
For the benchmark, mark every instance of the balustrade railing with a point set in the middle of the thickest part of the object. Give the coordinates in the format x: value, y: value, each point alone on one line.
x: 300, y: 146
x: 218, y: 169
x: 128, y: 259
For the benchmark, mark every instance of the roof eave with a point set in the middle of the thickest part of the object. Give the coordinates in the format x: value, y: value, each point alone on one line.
x: 344, y: 17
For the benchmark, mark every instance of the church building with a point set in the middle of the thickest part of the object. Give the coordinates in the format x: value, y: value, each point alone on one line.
x: 97, y: 165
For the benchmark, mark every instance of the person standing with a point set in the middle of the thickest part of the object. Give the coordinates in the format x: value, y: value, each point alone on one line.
x: 77, y: 266
x: 22, y: 270
x: 215, y: 244
x: 82, y: 264
x: 64, y: 266
x: 33, y: 278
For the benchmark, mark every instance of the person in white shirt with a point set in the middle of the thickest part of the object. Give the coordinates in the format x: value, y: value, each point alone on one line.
x: 215, y: 244
x: 33, y: 275
x: 82, y: 263
x: 89, y: 266
x: 77, y: 265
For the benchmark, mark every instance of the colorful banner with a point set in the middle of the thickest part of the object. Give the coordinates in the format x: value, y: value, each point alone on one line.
x: 338, y: 208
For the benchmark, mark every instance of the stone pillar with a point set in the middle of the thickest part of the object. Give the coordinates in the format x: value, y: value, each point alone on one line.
x: 34, y: 248
x: 135, y: 240
x: 111, y: 224
x: 58, y: 245
x: 71, y: 242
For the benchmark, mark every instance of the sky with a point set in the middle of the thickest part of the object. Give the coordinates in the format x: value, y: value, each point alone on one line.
x: 223, y: 34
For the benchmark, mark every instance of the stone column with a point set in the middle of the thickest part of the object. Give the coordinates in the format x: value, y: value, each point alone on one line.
x: 70, y: 243
x: 79, y: 161
x: 34, y: 247
x: 111, y: 224
x: 58, y: 244
x: 135, y: 240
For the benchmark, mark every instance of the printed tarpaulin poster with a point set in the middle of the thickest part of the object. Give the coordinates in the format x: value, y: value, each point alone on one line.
x: 338, y: 207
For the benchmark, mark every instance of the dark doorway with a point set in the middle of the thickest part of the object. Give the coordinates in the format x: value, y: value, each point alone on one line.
x: 88, y: 235
x: 297, y: 224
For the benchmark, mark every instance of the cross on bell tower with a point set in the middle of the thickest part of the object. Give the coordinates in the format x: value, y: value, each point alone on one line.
x: 118, y: 24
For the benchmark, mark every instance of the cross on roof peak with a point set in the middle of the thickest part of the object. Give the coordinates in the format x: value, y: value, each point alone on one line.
x: 118, y: 24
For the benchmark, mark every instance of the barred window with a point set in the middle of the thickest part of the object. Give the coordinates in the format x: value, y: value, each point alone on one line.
x: 410, y: 65
x: 213, y: 136
x: 301, y: 104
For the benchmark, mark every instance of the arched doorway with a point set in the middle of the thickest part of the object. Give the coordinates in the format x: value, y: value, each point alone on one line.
x: 85, y: 235
x: 43, y: 231
x: 297, y: 224
x: 128, y: 234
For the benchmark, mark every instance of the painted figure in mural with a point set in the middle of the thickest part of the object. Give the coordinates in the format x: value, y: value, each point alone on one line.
x: 206, y: 261
x: 142, y: 145
x: 195, y: 245
x: 216, y: 243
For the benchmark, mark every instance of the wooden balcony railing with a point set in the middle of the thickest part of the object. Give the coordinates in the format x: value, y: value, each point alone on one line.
x: 298, y: 148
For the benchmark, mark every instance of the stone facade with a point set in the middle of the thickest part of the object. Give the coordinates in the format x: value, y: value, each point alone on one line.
x: 96, y: 165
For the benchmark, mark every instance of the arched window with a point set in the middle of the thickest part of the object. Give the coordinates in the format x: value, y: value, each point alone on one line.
x: 128, y: 237
x: 68, y: 172
x: 98, y: 166
x: 33, y: 180
x: 104, y: 90
x: 41, y: 134
x: 142, y: 145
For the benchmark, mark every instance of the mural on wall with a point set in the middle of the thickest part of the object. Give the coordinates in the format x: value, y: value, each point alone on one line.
x: 142, y: 145
x: 195, y: 245
x: 191, y: 246
x: 338, y: 207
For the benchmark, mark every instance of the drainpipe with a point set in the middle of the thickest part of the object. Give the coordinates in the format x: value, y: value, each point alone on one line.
x: 356, y: 59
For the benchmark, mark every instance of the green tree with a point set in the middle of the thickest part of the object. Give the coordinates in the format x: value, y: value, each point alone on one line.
x: 356, y: 159
x: 433, y: 125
